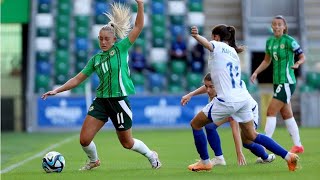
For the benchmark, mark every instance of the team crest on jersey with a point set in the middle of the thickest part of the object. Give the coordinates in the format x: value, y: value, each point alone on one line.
x: 112, y: 52
x: 282, y: 46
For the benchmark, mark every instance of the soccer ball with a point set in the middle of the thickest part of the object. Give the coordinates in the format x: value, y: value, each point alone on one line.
x: 53, y: 162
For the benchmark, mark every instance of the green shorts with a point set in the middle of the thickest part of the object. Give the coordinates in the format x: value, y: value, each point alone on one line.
x: 117, y: 109
x: 283, y: 92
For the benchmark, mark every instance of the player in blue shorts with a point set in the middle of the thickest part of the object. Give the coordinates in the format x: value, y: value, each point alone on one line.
x: 232, y: 98
x: 213, y: 136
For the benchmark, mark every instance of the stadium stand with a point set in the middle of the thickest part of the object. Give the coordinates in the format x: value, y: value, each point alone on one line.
x: 73, y: 40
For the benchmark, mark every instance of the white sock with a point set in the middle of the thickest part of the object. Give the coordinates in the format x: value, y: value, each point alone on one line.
x: 141, y: 148
x: 207, y: 161
x: 287, y: 157
x: 293, y: 130
x: 91, y: 152
x: 220, y: 157
x: 270, y: 126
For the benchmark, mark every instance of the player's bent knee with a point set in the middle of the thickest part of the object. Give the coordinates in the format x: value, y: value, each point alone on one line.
x: 84, y: 142
x: 127, y: 145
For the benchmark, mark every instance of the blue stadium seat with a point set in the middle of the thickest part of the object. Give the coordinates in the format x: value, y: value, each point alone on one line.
x: 43, y: 67
x: 100, y: 8
x: 82, y: 44
x: 156, y: 82
x: 158, y: 7
x: 177, y: 30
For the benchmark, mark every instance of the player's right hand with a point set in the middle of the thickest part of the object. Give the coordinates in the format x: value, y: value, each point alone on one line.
x: 253, y: 77
x: 49, y: 93
x: 194, y: 31
x: 185, y: 99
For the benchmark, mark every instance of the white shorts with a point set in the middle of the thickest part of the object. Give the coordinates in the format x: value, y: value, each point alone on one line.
x: 218, y: 110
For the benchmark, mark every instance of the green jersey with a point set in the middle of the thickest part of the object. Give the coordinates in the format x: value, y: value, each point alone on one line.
x: 281, y: 50
x: 113, y: 71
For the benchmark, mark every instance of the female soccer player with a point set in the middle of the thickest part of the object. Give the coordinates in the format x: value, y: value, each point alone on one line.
x: 213, y: 136
x: 281, y: 49
x: 232, y: 98
x: 115, y: 85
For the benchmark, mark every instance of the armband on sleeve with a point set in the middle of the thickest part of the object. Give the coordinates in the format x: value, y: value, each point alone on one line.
x: 298, y: 51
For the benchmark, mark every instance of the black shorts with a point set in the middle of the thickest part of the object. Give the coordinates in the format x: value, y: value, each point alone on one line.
x: 283, y: 92
x: 117, y: 109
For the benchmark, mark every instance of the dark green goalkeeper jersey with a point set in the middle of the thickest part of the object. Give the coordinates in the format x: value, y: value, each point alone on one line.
x: 281, y: 50
x: 113, y: 71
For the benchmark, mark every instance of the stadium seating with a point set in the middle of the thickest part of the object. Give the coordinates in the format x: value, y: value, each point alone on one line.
x: 160, y: 67
x: 43, y: 67
x: 43, y: 32
x: 156, y: 82
x: 66, y: 37
x: 194, y: 80
x: 178, y: 67
x: 42, y: 83
x: 44, y: 6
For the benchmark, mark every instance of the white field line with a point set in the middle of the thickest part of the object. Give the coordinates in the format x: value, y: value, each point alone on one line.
x: 37, y: 155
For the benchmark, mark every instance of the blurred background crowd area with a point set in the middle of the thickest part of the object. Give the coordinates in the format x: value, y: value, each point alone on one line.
x: 165, y: 59
x: 46, y: 42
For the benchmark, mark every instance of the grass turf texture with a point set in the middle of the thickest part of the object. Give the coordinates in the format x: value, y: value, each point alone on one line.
x: 175, y: 148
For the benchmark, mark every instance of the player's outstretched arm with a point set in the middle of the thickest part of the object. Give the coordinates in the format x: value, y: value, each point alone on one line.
x: 203, y: 41
x: 264, y: 64
x: 237, y: 142
x: 71, y: 83
x: 139, y: 22
x: 186, y: 98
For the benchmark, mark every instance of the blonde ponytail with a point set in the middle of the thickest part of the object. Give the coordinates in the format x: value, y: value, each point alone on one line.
x: 119, y: 20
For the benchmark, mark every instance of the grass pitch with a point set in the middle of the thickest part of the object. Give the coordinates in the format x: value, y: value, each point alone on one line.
x: 175, y: 148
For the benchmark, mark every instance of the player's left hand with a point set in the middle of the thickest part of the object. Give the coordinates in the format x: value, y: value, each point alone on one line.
x: 295, y: 66
x: 241, y: 160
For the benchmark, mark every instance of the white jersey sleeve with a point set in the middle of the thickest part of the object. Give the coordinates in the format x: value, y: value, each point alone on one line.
x: 224, y: 66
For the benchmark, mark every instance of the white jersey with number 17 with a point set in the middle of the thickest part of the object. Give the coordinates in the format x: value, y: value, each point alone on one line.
x: 224, y: 65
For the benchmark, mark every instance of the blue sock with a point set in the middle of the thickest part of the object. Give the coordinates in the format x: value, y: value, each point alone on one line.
x: 271, y: 145
x: 201, y: 143
x: 214, y: 138
x: 257, y: 150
